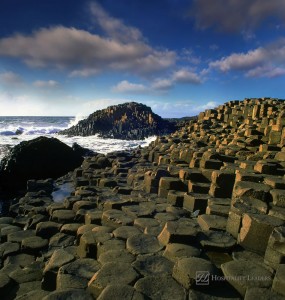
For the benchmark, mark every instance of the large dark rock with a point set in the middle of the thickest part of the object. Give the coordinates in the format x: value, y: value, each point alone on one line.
x: 124, y: 121
x: 81, y: 151
x: 39, y: 158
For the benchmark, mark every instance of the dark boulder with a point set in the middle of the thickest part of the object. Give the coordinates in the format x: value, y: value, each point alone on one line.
x: 39, y: 158
x: 124, y: 121
x: 82, y: 151
x: 19, y: 131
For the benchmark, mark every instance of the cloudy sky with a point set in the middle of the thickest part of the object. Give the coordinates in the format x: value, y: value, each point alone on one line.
x: 73, y: 57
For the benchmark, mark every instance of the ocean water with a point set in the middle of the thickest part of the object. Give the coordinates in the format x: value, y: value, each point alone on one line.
x: 32, y: 127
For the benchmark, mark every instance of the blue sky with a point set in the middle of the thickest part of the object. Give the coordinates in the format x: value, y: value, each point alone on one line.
x: 73, y: 57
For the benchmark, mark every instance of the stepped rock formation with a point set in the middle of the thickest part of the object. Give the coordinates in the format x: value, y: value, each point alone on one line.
x: 198, y: 214
x: 124, y: 121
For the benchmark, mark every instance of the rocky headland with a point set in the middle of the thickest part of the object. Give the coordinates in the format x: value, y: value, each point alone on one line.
x: 198, y: 214
x: 132, y: 121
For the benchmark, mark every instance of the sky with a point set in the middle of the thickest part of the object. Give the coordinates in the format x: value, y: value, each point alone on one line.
x: 180, y: 57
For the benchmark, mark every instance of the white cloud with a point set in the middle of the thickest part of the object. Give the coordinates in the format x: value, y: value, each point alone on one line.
x: 204, y: 72
x: 25, y: 104
x: 147, y: 64
x: 202, y: 107
x: 163, y: 84
x: 113, y: 27
x: 266, y: 71
x: 183, y: 76
x: 85, y: 72
x: 187, y: 54
x: 84, y: 53
x: 67, y: 47
x: 19, y: 105
x: 46, y: 84
x: 10, y: 78
x: 268, y: 61
x: 186, y: 76
x: 180, y: 108
x: 128, y: 87
x: 236, y: 15
x: 239, y: 61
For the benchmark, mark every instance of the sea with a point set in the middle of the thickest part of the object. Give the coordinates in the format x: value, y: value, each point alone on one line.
x: 14, y: 130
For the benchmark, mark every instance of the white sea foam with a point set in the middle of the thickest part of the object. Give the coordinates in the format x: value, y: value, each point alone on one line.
x: 32, y: 127
x: 75, y: 121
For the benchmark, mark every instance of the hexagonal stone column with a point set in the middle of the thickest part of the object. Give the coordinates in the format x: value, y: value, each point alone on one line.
x: 256, y: 230
x: 111, y: 273
x: 243, y: 274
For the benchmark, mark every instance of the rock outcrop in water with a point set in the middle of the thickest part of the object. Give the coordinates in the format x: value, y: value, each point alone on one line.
x: 198, y: 214
x: 39, y: 158
x: 124, y: 121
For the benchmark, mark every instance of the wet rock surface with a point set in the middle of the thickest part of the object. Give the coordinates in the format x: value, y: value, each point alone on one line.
x: 198, y: 214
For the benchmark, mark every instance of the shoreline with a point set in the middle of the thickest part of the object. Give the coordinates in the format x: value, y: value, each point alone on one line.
x: 95, y: 143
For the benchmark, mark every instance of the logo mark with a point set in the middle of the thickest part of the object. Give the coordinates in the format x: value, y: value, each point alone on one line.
x: 202, y: 278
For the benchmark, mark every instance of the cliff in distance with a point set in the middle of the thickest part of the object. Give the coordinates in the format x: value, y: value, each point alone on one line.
x: 124, y: 121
